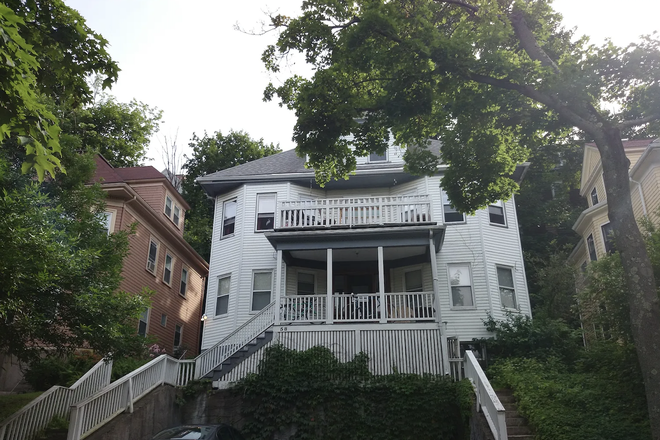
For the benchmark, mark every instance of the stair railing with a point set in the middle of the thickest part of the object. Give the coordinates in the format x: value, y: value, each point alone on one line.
x: 36, y: 415
x: 239, y: 338
x: 487, y: 400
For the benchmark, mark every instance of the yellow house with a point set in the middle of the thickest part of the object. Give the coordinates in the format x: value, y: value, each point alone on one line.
x: 593, y: 225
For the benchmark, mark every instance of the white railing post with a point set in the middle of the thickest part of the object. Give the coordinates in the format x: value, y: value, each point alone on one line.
x: 381, y: 285
x: 329, y: 310
x: 75, y: 423
x: 129, y: 396
x: 278, y: 286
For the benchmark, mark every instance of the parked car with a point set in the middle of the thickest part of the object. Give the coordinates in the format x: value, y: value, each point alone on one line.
x: 200, y: 432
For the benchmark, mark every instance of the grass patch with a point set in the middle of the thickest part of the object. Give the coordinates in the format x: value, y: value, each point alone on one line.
x: 10, y: 403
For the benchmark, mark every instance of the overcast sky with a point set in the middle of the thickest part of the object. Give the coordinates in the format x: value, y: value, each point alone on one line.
x: 187, y: 59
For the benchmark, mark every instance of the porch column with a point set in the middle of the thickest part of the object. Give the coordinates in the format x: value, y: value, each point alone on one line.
x: 381, y: 286
x: 278, y: 287
x: 330, y: 306
x: 438, y: 312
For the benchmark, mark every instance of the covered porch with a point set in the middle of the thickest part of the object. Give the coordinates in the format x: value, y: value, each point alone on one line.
x: 384, y: 275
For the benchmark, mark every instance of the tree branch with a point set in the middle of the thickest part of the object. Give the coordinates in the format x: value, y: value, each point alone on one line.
x: 528, y: 41
x: 635, y: 122
x: 471, y: 8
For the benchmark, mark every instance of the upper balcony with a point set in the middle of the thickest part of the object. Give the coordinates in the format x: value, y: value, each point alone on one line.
x: 354, y: 212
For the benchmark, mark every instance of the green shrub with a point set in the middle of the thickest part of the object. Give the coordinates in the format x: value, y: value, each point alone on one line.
x: 122, y: 366
x: 54, y: 370
x: 314, y: 395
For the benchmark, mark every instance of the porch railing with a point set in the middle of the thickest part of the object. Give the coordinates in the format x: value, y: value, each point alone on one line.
x: 363, y: 307
x: 356, y: 211
x: 486, y: 399
x: 36, y: 415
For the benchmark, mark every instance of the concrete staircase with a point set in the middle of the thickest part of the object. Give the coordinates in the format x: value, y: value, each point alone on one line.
x: 243, y: 353
x: 516, y: 425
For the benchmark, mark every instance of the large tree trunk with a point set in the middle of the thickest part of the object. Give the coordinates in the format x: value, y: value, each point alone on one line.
x: 642, y: 295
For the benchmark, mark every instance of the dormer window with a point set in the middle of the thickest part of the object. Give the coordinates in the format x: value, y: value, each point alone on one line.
x: 375, y: 157
x: 594, y: 197
x: 172, y: 210
x: 177, y: 215
x: 168, y: 206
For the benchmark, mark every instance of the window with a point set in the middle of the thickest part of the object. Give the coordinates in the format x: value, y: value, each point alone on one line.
x: 261, y: 288
x: 591, y: 247
x: 222, y: 303
x: 106, y: 221
x: 229, y: 218
x: 594, y: 196
x: 163, y: 320
x: 583, y: 267
x: 507, y: 290
x: 167, y: 272
x: 153, y: 256
x: 178, y: 330
x: 177, y: 215
x: 265, y: 212
x: 496, y: 213
x: 306, y: 283
x: 184, y: 281
x: 144, y: 321
x: 451, y: 215
x: 608, y: 238
x: 413, y: 280
x: 460, y: 281
x: 375, y: 157
x: 168, y: 206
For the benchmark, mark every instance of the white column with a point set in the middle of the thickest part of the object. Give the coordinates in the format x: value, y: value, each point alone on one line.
x: 381, y: 286
x: 438, y: 313
x: 330, y: 306
x: 278, y: 287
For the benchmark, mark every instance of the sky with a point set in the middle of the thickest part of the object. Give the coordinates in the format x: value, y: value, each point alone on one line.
x: 188, y: 59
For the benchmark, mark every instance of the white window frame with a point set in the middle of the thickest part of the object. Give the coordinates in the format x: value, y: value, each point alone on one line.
x: 593, y: 243
x: 224, y: 210
x: 516, y: 305
x: 445, y: 202
x: 606, y: 240
x: 256, y: 217
x: 306, y: 272
x: 176, y: 217
x: 187, y: 281
x: 471, y: 285
x: 413, y: 269
x: 146, y: 312
x: 386, y: 157
x: 252, y: 291
x: 180, y: 327
x: 110, y: 216
x: 499, y: 204
x: 171, y: 269
x: 155, y: 263
x: 169, y: 206
x: 594, y: 193
x: 218, y: 296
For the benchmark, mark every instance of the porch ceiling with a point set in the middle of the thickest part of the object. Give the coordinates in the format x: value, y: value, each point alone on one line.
x: 361, y: 254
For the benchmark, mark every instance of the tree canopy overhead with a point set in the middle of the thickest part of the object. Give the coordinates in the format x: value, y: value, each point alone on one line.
x: 493, y: 80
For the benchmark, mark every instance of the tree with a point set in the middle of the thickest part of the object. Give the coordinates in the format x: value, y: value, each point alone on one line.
x: 121, y: 132
x: 47, y: 51
x: 211, y: 154
x: 493, y: 80
x: 59, y: 269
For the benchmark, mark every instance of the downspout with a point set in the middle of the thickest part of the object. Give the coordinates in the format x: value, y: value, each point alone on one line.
x: 641, y: 195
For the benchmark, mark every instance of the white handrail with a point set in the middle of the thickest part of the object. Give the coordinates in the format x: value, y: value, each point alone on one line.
x: 36, y: 415
x: 223, y: 350
x: 487, y: 400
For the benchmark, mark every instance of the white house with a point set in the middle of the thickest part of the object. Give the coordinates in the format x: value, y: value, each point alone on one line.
x: 380, y: 263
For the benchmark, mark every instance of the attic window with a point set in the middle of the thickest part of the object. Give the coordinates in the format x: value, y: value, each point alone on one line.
x: 594, y: 197
x: 375, y: 157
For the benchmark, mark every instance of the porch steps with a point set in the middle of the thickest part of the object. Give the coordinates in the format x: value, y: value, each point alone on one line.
x: 243, y: 353
x: 516, y: 425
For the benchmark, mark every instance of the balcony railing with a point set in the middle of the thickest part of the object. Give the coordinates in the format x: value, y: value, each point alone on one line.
x: 356, y: 211
x: 364, y: 307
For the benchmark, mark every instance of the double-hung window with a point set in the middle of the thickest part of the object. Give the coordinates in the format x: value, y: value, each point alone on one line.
x: 496, y: 213
x: 172, y: 210
x: 178, y: 333
x: 183, y: 287
x: 591, y: 247
x: 222, y: 302
x: 177, y: 215
x: 144, y: 321
x: 167, y: 272
x: 375, y: 157
x: 413, y: 280
x: 507, y: 289
x: 265, y: 212
x: 106, y: 221
x: 153, y: 256
x: 608, y: 238
x: 261, y: 289
x: 460, y: 281
x: 168, y: 206
x: 594, y: 196
x: 306, y: 283
x: 451, y: 214
x: 228, y: 217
